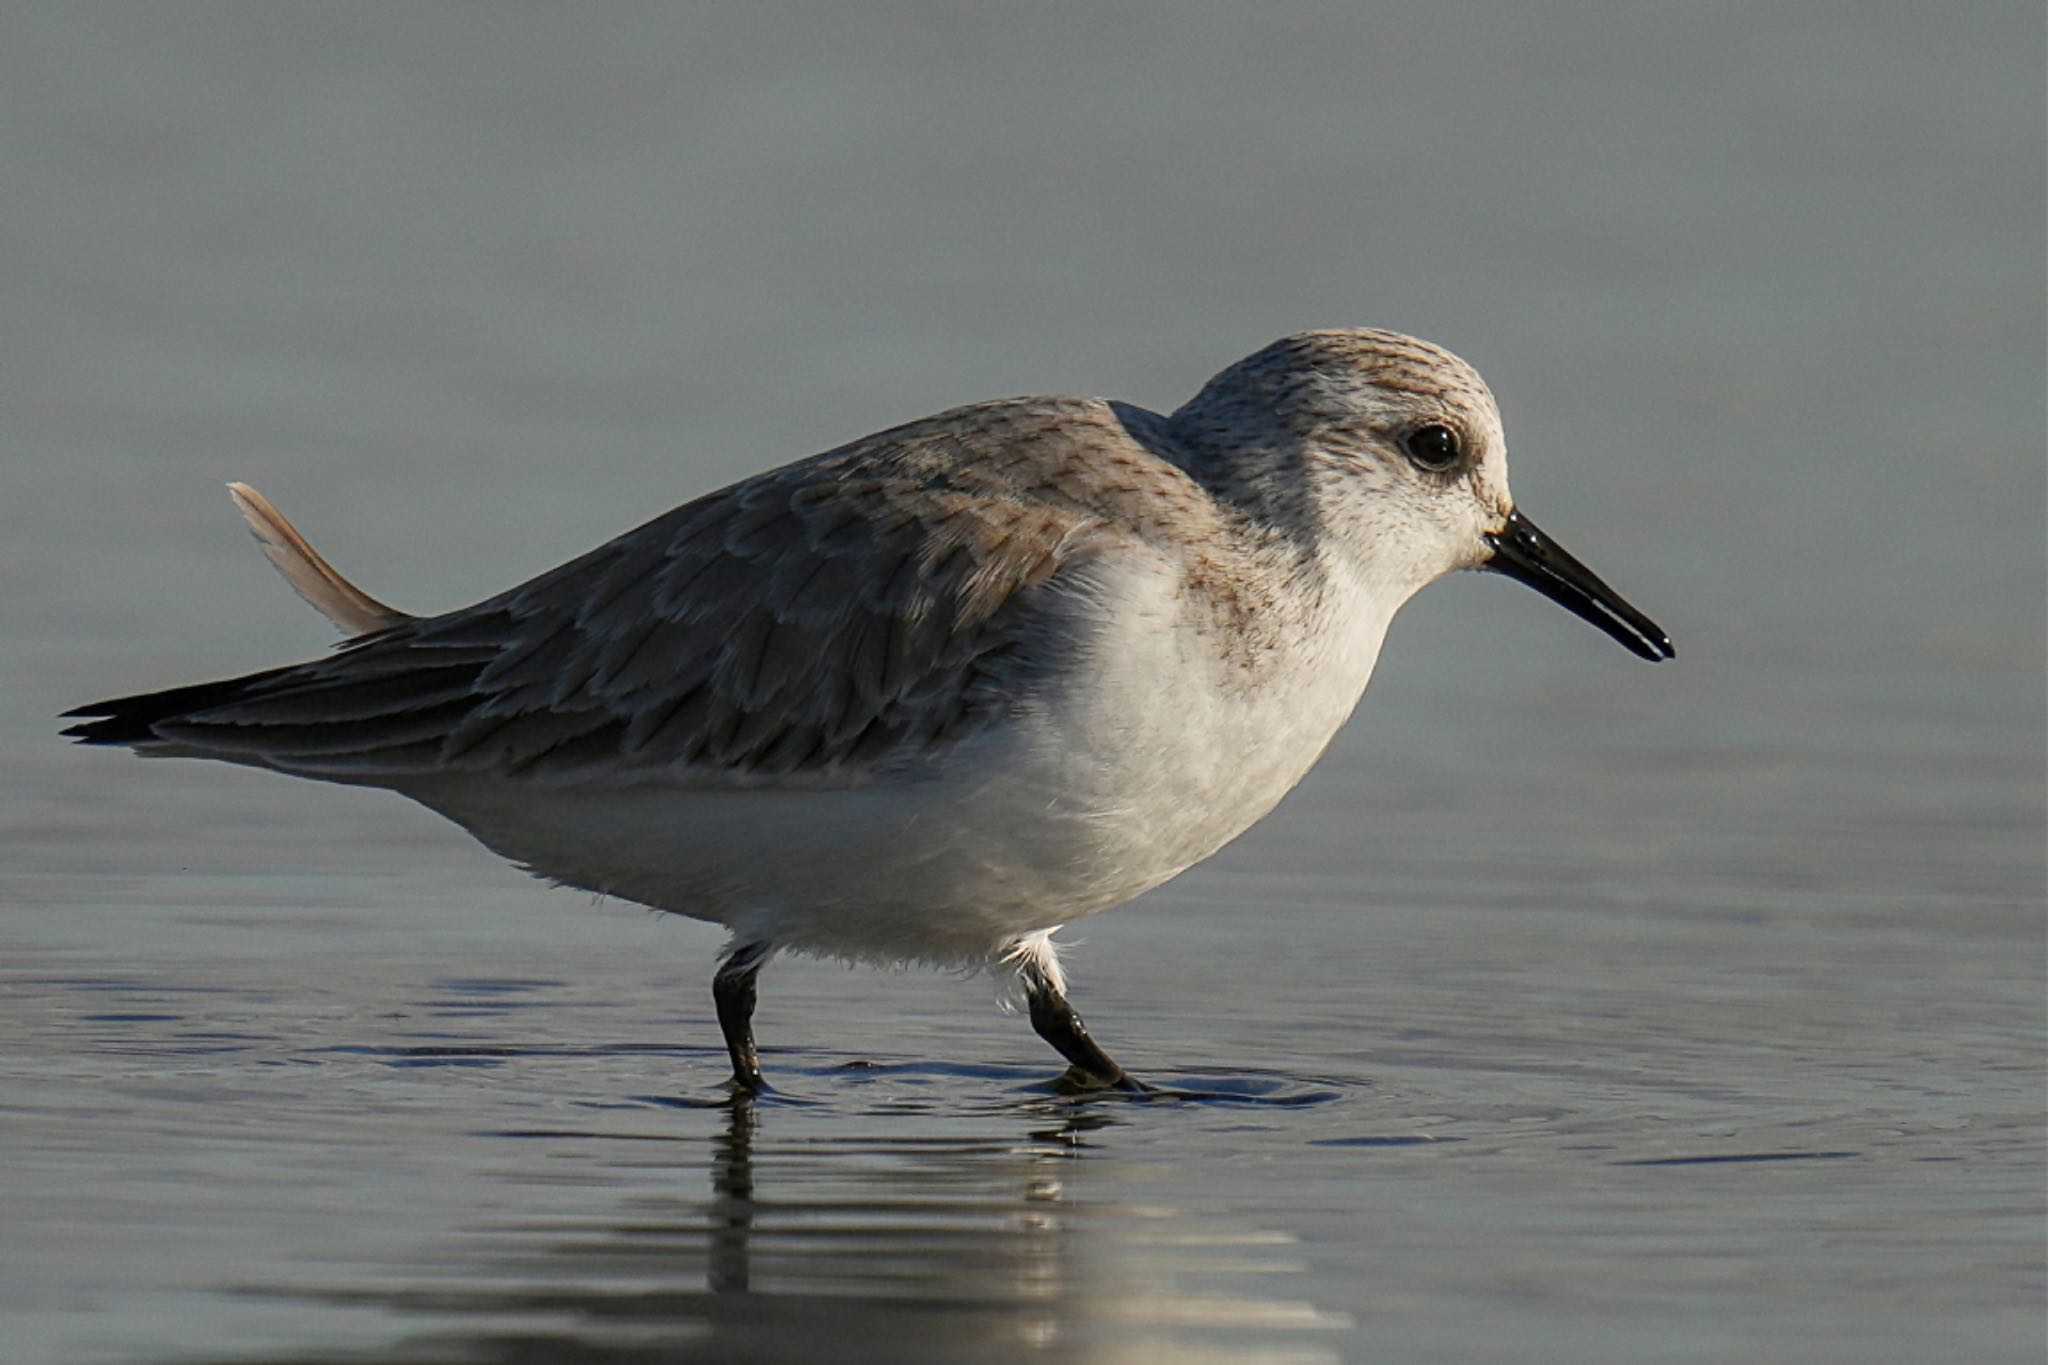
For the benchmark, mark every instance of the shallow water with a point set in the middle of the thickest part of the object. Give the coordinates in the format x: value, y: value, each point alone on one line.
x: 1573, y: 1010
x: 1518, y: 1107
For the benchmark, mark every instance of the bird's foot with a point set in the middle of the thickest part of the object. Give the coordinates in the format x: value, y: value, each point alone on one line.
x: 1080, y: 1081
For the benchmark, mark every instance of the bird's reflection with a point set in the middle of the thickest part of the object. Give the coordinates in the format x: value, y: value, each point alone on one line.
x: 732, y: 1202
x: 820, y: 1241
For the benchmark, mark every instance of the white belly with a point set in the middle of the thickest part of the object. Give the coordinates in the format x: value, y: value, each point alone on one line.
x: 1152, y: 755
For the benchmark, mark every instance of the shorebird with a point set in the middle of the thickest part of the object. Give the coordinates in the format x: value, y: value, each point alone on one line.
x: 933, y: 694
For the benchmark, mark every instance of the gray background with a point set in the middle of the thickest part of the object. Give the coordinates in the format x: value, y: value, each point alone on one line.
x: 1572, y: 1010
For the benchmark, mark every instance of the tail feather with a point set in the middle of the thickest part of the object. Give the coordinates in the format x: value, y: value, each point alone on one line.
x: 312, y: 577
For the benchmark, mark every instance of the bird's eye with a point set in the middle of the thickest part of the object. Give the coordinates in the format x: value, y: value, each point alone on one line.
x: 1434, y: 447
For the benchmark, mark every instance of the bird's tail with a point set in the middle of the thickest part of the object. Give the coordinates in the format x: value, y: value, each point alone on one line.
x: 134, y: 721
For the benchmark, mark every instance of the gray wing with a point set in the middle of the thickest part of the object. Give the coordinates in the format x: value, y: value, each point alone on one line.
x: 869, y: 607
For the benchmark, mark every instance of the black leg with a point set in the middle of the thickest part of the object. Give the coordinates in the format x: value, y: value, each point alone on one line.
x: 1056, y: 1022
x: 733, y: 990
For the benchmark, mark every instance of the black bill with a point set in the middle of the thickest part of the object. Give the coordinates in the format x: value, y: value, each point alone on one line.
x: 1523, y: 552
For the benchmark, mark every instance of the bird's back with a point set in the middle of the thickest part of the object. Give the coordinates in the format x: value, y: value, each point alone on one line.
x: 861, y: 611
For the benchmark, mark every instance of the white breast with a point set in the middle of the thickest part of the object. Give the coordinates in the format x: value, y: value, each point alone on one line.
x: 1167, y: 745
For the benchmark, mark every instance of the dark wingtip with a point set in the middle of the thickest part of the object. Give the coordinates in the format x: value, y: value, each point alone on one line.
x: 133, y: 720
x: 114, y: 722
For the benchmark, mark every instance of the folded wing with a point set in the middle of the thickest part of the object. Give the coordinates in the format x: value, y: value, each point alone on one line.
x: 870, y: 607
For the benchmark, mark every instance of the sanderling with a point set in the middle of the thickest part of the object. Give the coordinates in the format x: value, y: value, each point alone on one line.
x: 931, y: 695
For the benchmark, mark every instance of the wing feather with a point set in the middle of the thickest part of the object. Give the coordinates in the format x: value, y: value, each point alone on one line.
x: 870, y: 607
